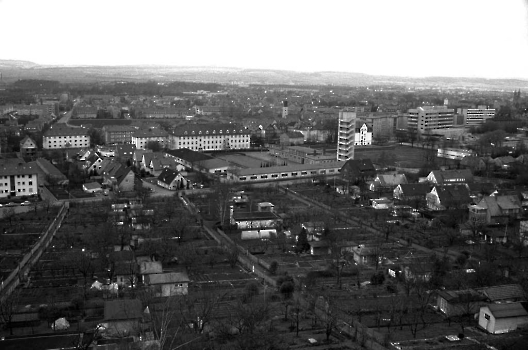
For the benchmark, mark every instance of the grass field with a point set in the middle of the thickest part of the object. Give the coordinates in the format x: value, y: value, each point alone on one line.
x: 401, y: 156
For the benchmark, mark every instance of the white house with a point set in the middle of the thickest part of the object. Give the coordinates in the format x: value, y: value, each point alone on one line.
x: 362, y: 135
x: 168, y: 284
x: 92, y: 187
x: 503, y: 318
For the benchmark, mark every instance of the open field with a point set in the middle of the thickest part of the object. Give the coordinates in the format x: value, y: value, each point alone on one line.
x: 401, y: 156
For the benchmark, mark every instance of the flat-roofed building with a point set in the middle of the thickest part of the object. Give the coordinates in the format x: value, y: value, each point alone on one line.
x: 430, y: 118
x: 476, y: 116
x: 302, y: 155
x: 288, y: 172
x: 346, y: 135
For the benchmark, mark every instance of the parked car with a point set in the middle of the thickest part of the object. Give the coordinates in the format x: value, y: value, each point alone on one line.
x: 26, y: 203
x: 11, y: 204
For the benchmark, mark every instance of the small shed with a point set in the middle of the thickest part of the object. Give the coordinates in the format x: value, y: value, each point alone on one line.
x: 503, y: 318
x: 92, y: 187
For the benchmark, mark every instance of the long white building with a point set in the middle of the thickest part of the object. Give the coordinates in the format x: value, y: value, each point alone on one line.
x: 211, y: 137
x: 476, y: 116
x: 59, y: 136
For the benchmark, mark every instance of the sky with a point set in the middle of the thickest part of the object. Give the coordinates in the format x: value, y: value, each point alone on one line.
x: 416, y: 38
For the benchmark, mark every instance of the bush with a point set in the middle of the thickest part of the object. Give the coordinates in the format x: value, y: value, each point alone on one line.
x: 378, y: 278
x: 274, y: 267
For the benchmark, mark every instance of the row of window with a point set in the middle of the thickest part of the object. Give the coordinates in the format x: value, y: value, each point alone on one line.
x: 21, y: 190
x: 30, y: 183
x: 283, y: 175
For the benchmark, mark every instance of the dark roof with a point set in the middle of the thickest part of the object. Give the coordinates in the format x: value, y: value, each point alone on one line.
x: 121, y: 174
x: 49, y: 169
x: 167, y: 278
x: 126, y: 309
x: 453, y: 194
x: 504, y: 292
x: 359, y: 167
x: 167, y: 176
x: 210, y: 129
x: 188, y: 155
x: 17, y: 167
x: 294, y: 134
x: 256, y: 215
x: 152, y: 132
x: 126, y: 148
x: 445, y: 176
x: 461, y: 296
x: 481, y: 187
x: 59, y: 130
x: 509, y: 310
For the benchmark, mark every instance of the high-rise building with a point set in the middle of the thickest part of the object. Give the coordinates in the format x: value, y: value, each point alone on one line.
x: 476, y: 116
x: 430, y: 118
x: 346, y: 134
x: 284, y: 109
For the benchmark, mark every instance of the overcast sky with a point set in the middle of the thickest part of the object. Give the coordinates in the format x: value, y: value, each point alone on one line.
x: 474, y: 38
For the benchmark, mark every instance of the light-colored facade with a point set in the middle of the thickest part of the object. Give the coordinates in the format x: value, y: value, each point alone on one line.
x: 64, y: 137
x: 346, y: 135
x: 363, y: 136
x: 18, y: 180
x: 383, y: 124
x: 476, y: 116
x: 211, y: 137
x: 118, y: 133
x: 141, y: 138
x: 430, y: 118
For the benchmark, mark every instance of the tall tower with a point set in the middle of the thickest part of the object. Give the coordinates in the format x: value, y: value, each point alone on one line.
x: 284, y: 108
x: 345, y: 135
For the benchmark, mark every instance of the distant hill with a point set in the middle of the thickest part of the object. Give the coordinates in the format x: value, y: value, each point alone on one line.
x: 13, y: 70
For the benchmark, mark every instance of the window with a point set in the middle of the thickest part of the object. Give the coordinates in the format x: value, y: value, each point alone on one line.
x: 284, y: 175
x: 486, y: 316
x: 242, y: 178
x: 275, y: 175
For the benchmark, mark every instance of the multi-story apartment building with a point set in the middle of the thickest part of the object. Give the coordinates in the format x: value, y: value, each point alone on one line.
x: 346, y: 135
x: 476, y: 116
x: 383, y: 124
x: 210, y: 137
x: 60, y: 136
x: 85, y: 112
x: 118, y: 134
x: 210, y: 110
x: 141, y: 138
x: 430, y: 118
x: 18, y: 179
x: 363, y: 135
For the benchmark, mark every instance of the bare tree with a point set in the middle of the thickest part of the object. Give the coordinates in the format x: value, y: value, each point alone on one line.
x: 8, y: 308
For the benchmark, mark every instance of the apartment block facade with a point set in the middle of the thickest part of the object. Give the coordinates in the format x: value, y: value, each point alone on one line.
x: 118, y: 134
x: 427, y: 119
x: 18, y: 179
x: 211, y: 137
x: 141, y: 138
x: 476, y: 116
x: 59, y: 136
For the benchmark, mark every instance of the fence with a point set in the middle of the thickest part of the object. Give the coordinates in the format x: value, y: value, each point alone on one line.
x: 16, y: 276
